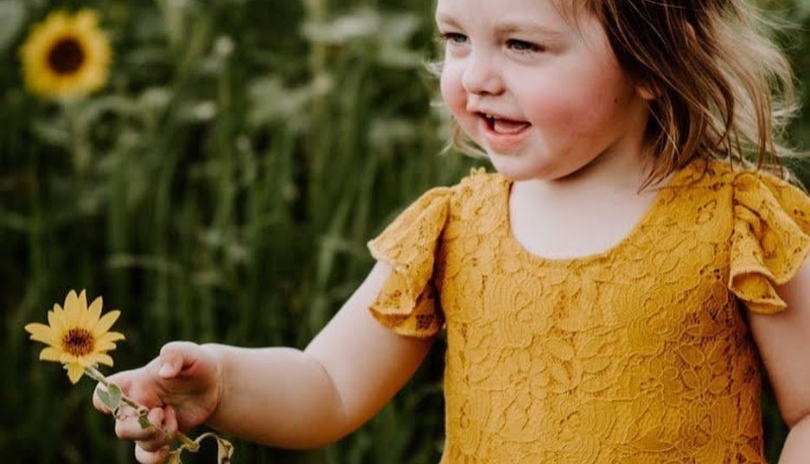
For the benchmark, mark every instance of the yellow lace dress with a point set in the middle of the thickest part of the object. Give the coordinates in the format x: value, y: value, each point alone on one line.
x: 639, y: 354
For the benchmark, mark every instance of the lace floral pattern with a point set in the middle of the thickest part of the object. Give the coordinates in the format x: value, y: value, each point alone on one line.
x: 640, y: 354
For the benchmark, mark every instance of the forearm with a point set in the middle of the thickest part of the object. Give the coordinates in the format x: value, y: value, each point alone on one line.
x: 277, y: 396
x: 797, y: 445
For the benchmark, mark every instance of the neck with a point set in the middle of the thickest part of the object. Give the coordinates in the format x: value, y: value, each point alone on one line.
x: 608, y: 176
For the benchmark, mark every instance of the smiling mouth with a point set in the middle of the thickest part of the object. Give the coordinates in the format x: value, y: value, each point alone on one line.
x: 504, y: 126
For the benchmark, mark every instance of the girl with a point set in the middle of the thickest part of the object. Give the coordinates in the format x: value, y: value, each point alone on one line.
x: 606, y: 295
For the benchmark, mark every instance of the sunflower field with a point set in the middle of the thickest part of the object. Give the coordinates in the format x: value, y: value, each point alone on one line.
x: 214, y: 170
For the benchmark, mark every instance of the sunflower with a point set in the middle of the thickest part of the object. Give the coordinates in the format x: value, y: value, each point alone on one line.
x: 77, y: 335
x: 66, y: 56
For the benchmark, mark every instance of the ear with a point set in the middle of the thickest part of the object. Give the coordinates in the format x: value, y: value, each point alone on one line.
x: 647, y: 91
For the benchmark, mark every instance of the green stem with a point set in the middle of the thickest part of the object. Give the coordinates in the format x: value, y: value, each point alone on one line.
x: 94, y: 374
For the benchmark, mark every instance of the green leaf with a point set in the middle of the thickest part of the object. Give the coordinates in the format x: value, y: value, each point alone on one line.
x: 111, y: 397
x: 144, y: 422
x: 115, y: 395
x: 104, y: 397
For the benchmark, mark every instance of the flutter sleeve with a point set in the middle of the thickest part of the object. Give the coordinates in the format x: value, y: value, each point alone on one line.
x: 770, y: 240
x: 407, y: 302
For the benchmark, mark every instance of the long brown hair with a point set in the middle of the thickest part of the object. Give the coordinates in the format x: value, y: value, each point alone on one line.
x: 723, y: 87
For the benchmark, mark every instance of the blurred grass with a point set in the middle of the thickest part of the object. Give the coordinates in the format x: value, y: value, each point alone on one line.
x: 222, y: 189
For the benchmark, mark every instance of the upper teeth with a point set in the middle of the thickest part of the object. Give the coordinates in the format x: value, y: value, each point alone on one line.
x: 489, y: 116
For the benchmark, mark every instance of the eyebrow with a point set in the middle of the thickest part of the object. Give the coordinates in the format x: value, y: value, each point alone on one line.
x: 447, y: 19
x: 507, y: 27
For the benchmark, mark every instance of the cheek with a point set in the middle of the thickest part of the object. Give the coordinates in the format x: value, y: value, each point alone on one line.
x: 580, y: 106
x: 558, y: 108
x: 452, y: 91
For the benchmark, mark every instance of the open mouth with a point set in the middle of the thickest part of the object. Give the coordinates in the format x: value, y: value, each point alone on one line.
x: 504, y: 126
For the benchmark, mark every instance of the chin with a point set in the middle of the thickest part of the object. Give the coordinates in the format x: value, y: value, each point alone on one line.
x: 515, y: 169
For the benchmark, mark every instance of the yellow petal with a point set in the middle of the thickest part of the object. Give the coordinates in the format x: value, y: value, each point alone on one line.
x: 104, y: 346
x: 68, y: 358
x: 86, y: 19
x: 105, y: 323
x: 94, y: 312
x: 42, y: 333
x: 55, y: 321
x: 72, y: 309
x: 82, y: 309
x: 110, y: 337
x: 35, y: 327
x: 101, y: 358
x: 59, y: 312
x: 50, y: 354
x: 75, y: 372
x: 58, y: 17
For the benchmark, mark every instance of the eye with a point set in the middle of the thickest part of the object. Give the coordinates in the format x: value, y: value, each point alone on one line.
x: 454, y: 38
x: 524, y: 47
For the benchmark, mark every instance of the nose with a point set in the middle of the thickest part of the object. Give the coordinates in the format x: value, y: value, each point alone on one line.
x: 481, y: 75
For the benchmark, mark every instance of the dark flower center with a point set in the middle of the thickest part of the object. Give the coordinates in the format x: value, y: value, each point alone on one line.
x: 78, y: 342
x: 66, y: 56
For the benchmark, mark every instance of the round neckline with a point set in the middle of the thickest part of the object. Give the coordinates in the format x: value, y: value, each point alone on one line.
x: 643, y: 220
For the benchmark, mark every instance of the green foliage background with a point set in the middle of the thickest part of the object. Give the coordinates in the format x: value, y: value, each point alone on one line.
x: 222, y: 188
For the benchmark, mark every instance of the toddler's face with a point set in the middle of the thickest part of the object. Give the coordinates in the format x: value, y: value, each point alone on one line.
x: 542, y: 97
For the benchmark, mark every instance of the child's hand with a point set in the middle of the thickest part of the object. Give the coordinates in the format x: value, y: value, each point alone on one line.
x: 181, y: 388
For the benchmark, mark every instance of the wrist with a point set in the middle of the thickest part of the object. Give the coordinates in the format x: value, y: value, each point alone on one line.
x: 215, y: 353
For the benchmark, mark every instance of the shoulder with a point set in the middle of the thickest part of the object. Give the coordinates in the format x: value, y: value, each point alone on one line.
x: 714, y: 173
x: 766, y: 192
x: 477, y: 188
x: 423, y: 221
x: 479, y: 181
x: 748, y: 185
x: 477, y: 184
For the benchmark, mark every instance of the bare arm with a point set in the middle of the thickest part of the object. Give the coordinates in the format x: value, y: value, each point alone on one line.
x: 797, y: 446
x: 304, y: 399
x: 784, y: 340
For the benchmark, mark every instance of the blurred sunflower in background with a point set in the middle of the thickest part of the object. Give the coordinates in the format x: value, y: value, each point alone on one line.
x: 66, y: 56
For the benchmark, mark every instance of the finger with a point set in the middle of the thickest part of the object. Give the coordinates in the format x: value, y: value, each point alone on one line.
x: 175, y: 357
x: 165, y: 437
x: 151, y: 457
x: 129, y: 428
x: 126, y: 411
x: 170, y: 424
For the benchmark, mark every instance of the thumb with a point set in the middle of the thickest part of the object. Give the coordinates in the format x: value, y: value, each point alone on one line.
x: 175, y: 357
